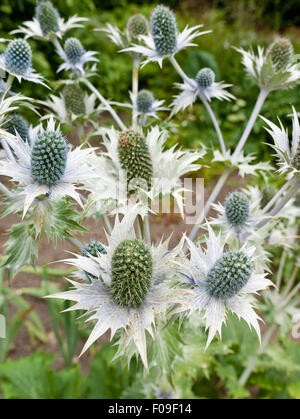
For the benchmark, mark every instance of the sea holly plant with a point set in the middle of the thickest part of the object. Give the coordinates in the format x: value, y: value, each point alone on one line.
x: 168, y: 305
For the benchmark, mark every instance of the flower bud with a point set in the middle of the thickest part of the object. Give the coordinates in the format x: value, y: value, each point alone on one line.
x: 164, y: 30
x: 281, y: 53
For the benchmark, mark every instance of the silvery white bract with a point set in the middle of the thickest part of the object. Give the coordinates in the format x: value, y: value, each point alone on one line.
x: 75, y: 57
x: 16, y: 61
x: 22, y: 166
x: 261, y: 68
x: 98, y: 298
x: 191, y: 90
x: 288, y: 153
x: 242, y: 162
x: 168, y: 167
x: 215, y: 290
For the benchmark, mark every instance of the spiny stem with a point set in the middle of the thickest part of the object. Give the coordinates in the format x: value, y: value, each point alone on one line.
x: 258, y: 105
x: 105, y: 103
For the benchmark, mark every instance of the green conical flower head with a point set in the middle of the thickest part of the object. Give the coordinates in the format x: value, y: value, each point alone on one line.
x: 47, y: 16
x: 144, y: 101
x: 296, y: 159
x: 281, y: 53
x: 229, y: 274
x: 48, y: 158
x: 135, y: 159
x: 92, y: 248
x: 18, y: 56
x: 237, y: 209
x: 74, y: 99
x: 131, y: 273
x: 205, y: 77
x: 137, y: 25
x: 17, y: 123
x: 74, y: 50
x: 164, y: 30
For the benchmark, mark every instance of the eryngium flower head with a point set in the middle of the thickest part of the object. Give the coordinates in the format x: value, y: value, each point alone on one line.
x: 135, y: 158
x: 49, y: 157
x: 48, y: 17
x: 93, y: 248
x: 74, y: 50
x: 281, y: 53
x: 229, y: 275
x: 237, y: 209
x: 17, y: 123
x: 144, y: 101
x: 74, y: 99
x: 131, y: 271
x: 164, y: 30
x: 137, y: 25
x: 205, y: 77
x: 18, y: 56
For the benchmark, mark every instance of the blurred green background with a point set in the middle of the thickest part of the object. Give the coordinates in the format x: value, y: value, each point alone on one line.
x: 234, y: 23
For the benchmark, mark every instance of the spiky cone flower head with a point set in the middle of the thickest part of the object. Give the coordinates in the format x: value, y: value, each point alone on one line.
x: 135, y: 159
x: 144, y: 101
x: 221, y: 281
x: 168, y: 167
x: 47, y: 166
x: 276, y: 68
x: 237, y: 209
x: 75, y: 56
x: 164, y: 38
x: 47, y: 23
x: 203, y: 85
x: 17, y: 124
x: 137, y: 25
x: 17, y: 61
x: 128, y: 287
x: 287, y: 150
x: 74, y: 99
x: 92, y: 248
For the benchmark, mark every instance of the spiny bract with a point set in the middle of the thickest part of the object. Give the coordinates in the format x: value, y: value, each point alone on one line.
x: 74, y: 99
x: 205, y: 77
x: 144, y: 101
x: 281, y: 53
x: 237, y: 208
x: 16, y: 123
x: 135, y: 159
x: 164, y: 30
x: 92, y: 248
x: 18, y: 56
x: 137, y: 25
x: 229, y: 274
x: 48, y: 158
x: 74, y: 50
x: 131, y: 272
x: 47, y: 16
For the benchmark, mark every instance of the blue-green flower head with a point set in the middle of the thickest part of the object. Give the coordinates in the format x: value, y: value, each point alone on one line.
x: 144, y: 101
x: 137, y: 25
x: 49, y: 158
x: 281, y: 53
x: 229, y: 274
x: 237, y: 209
x: 74, y: 99
x: 93, y: 248
x: 131, y: 273
x: 47, y: 16
x: 164, y: 30
x: 74, y: 50
x: 205, y: 78
x: 18, y: 56
x: 17, y: 123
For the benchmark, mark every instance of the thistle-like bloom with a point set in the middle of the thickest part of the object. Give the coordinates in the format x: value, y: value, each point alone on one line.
x: 164, y: 40
x: 276, y: 68
x: 46, y: 166
x: 127, y: 290
x: 16, y: 60
x: 288, y: 153
x: 221, y: 281
x: 73, y: 105
x: 47, y: 23
x: 204, y: 84
x: 17, y: 124
x: 139, y: 166
x: 75, y: 56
